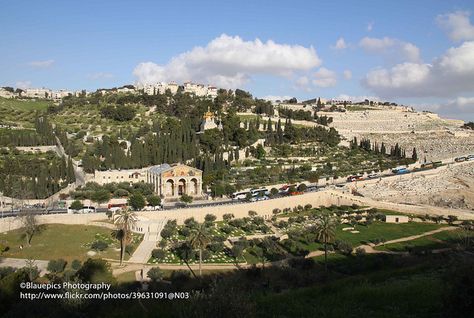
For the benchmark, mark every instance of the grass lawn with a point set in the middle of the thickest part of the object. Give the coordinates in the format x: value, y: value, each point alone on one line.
x: 401, y: 294
x: 55, y: 241
x: 377, y: 230
x: 250, y: 258
x: 382, y: 230
x: 435, y: 241
x: 25, y: 105
x: 126, y: 277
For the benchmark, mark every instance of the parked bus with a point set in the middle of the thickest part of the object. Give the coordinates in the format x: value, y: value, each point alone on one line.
x: 431, y: 165
x: 286, y: 188
x: 354, y: 178
x: 260, y: 192
x: 240, y: 195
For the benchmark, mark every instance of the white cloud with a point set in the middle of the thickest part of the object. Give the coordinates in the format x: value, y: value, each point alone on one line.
x: 273, y: 98
x: 302, y: 81
x: 457, y: 25
x: 448, y: 75
x: 340, y: 44
x: 100, y: 76
x: 229, y: 61
x: 324, y: 78
x: 23, y: 84
x: 347, y: 74
x: 460, y: 105
x: 41, y: 64
x: 370, y: 26
x: 391, y: 48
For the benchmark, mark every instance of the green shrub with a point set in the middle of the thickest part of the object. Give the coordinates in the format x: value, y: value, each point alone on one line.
x: 155, y: 274
x: 158, y: 254
x: 56, y: 266
x: 76, y: 264
x: 344, y: 247
x: 99, y: 245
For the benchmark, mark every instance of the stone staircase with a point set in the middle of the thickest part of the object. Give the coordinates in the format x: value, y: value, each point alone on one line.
x: 143, y: 252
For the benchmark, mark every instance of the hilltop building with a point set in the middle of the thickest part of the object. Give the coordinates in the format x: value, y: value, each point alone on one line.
x: 200, y: 90
x: 160, y: 88
x: 5, y: 93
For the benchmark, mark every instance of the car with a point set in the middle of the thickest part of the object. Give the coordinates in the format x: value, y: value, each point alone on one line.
x: 152, y: 208
x: 115, y: 209
x: 460, y: 159
x: 263, y: 198
x: 372, y: 176
x: 470, y: 158
x: 87, y: 209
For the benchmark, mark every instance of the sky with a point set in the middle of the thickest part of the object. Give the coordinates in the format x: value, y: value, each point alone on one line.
x: 418, y: 53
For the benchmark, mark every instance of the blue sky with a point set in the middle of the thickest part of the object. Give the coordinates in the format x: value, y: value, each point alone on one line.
x: 92, y: 44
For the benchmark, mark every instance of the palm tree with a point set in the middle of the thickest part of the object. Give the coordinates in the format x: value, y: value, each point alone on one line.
x: 198, y: 239
x: 325, y: 230
x: 125, y: 220
x: 118, y: 234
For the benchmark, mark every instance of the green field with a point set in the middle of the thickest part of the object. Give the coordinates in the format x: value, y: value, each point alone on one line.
x: 24, y: 104
x: 434, y: 241
x: 21, y: 112
x: 382, y: 230
x: 55, y: 241
x: 400, y: 294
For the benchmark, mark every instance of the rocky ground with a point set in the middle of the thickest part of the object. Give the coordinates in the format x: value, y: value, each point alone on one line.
x: 453, y: 188
x: 434, y: 138
x: 430, y: 146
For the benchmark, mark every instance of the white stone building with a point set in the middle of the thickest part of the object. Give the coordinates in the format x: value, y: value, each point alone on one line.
x: 127, y: 175
x: 160, y: 88
x: 44, y: 93
x: 7, y: 94
x: 58, y: 95
x: 169, y: 181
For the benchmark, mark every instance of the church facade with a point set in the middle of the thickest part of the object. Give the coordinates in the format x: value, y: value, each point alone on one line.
x: 169, y: 181
x: 172, y: 181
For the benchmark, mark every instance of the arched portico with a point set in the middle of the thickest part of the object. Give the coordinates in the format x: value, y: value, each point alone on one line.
x: 169, y: 188
x: 182, y: 189
x: 194, y: 186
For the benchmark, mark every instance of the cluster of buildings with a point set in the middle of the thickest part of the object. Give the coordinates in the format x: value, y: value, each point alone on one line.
x: 195, y: 89
x: 160, y: 88
x: 200, y: 90
x: 40, y: 93
x: 169, y: 181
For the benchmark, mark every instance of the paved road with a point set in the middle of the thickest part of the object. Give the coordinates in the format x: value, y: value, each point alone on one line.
x: 78, y: 171
x: 20, y: 263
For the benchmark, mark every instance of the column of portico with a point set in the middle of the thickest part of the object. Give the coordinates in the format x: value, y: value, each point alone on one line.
x: 175, y: 187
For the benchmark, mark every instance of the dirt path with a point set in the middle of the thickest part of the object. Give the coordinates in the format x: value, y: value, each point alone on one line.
x: 21, y: 262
